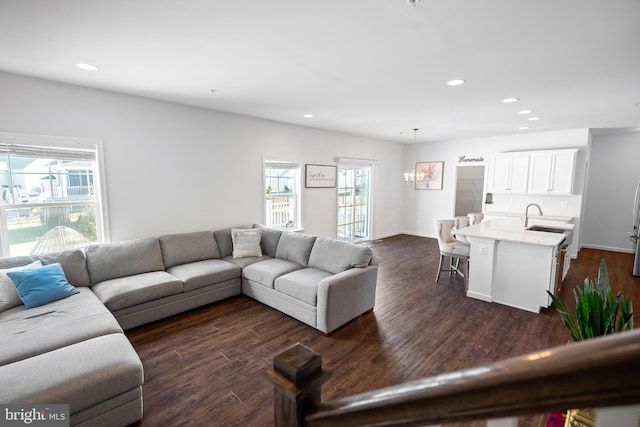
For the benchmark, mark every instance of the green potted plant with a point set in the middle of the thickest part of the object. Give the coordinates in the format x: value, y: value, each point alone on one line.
x: 597, y: 310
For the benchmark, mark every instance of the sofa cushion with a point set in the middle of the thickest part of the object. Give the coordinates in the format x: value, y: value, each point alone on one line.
x: 41, y: 285
x: 121, y: 259
x: 335, y: 256
x: 243, y: 262
x: 15, y: 261
x: 82, y: 375
x: 302, y: 284
x: 26, y: 333
x: 223, y: 239
x: 9, y: 296
x: 188, y: 247
x: 246, y: 242
x: 295, y: 247
x: 270, y: 238
x: 128, y: 291
x: 204, y: 273
x: 266, y: 272
x: 74, y: 264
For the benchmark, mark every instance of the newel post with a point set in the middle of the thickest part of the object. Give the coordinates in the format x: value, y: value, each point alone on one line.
x: 297, y: 377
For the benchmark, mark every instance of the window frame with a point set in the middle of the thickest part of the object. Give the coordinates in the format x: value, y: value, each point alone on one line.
x: 99, y: 181
x: 296, y: 195
x: 355, y: 166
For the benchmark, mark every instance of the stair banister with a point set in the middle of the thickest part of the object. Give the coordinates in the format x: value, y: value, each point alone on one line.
x: 594, y: 373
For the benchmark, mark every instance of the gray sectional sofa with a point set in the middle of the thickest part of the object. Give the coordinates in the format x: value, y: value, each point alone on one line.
x: 74, y: 350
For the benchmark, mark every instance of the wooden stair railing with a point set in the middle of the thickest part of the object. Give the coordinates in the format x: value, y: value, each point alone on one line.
x: 595, y: 373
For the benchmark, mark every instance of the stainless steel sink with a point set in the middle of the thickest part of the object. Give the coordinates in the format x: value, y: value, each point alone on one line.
x: 546, y: 229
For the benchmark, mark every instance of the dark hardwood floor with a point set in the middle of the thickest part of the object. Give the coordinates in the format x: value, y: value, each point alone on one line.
x: 204, y: 367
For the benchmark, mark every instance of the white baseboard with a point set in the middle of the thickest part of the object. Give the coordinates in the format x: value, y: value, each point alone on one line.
x: 397, y: 233
x: 481, y: 297
x: 411, y: 233
x: 384, y: 236
x: 607, y: 248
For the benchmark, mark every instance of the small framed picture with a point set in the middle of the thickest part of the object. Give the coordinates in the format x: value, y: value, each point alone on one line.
x: 429, y: 175
x: 320, y: 176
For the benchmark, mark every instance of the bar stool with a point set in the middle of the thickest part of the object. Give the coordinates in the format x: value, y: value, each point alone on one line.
x: 460, y: 222
x: 453, y: 249
x: 475, y: 217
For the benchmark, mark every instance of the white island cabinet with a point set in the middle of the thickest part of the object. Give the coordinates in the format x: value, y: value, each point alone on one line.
x: 512, y: 266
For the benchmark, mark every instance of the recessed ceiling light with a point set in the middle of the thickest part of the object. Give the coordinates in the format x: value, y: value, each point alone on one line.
x: 455, y: 82
x: 308, y: 116
x: 214, y: 91
x: 533, y: 118
x: 525, y: 112
x: 524, y: 128
x: 87, y: 67
x: 510, y: 100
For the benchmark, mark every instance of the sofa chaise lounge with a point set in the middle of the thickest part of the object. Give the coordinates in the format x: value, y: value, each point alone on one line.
x: 74, y: 350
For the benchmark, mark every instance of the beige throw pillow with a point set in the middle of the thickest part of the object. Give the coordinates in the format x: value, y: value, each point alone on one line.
x: 9, y: 296
x: 246, y: 242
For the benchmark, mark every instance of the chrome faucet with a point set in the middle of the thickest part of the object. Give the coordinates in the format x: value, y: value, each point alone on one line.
x: 526, y: 213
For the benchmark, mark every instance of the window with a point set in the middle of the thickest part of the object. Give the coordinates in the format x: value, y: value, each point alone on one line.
x: 50, y: 195
x: 354, y: 202
x: 282, y: 193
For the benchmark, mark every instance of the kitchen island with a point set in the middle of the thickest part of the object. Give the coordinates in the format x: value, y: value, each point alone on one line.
x: 512, y: 265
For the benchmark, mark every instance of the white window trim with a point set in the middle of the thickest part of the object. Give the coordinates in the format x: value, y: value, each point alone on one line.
x: 361, y: 163
x: 100, y: 182
x: 299, y: 202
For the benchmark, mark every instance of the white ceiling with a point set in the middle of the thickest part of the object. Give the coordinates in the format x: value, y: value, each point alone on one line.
x: 375, y: 68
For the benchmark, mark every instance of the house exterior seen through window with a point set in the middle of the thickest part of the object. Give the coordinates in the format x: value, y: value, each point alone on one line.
x: 282, y: 193
x: 50, y: 198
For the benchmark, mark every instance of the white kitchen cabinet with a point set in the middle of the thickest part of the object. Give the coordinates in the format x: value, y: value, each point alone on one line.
x: 551, y: 172
x: 512, y: 266
x: 511, y: 172
x: 522, y: 275
x: 563, y: 171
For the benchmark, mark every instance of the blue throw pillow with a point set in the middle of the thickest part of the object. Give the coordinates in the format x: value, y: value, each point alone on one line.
x: 40, y: 286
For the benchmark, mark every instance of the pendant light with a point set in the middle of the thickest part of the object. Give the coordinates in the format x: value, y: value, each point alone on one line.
x: 410, y: 177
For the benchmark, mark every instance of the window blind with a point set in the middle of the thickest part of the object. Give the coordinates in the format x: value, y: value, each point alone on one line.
x: 282, y: 165
x: 47, y: 152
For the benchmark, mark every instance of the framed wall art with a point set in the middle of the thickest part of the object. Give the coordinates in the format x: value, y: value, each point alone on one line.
x: 429, y: 175
x: 320, y: 176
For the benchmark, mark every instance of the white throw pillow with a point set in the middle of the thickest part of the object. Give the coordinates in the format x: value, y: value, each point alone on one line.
x: 246, y: 242
x: 9, y: 296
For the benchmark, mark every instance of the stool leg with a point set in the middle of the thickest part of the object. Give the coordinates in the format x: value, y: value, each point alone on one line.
x: 452, y: 268
x: 466, y: 274
x: 439, y: 267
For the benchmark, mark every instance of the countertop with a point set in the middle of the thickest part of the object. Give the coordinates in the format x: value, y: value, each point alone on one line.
x: 513, y: 230
x: 533, y: 215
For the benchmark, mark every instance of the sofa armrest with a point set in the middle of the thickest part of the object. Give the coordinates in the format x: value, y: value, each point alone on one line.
x: 345, y: 296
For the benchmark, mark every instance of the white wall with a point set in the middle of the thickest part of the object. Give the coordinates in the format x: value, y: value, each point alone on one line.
x: 426, y: 206
x: 173, y: 168
x: 613, y: 175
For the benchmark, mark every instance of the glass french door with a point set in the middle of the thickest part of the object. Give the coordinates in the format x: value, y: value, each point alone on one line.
x: 354, y: 200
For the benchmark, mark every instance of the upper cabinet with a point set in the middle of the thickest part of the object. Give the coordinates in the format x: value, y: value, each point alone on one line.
x: 551, y: 172
x: 535, y: 172
x: 510, y: 172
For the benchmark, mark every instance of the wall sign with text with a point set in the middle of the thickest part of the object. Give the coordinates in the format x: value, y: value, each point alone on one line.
x: 465, y: 159
x: 320, y: 176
